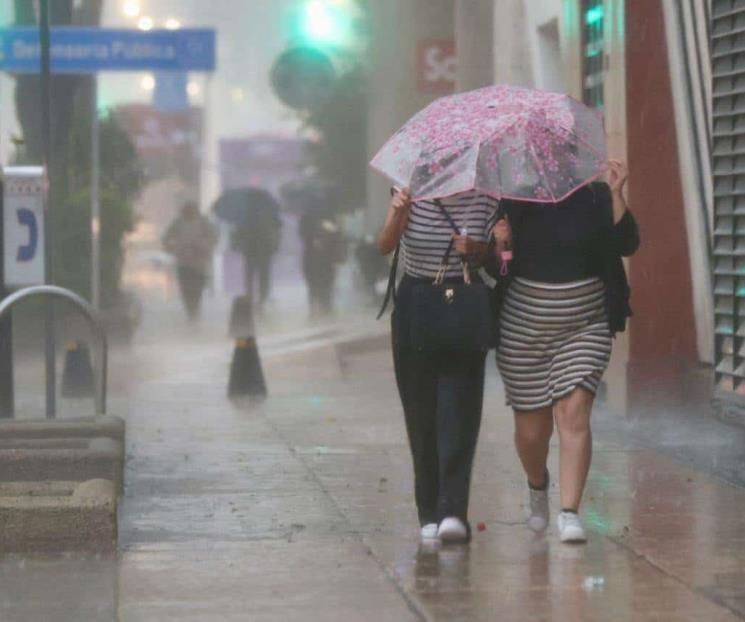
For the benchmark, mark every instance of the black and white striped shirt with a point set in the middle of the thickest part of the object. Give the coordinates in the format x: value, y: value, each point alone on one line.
x: 428, y: 232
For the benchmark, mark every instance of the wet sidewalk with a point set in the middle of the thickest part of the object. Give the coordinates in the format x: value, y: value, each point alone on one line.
x: 300, y: 508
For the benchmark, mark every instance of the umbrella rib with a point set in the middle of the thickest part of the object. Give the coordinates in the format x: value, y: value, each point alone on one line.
x: 543, y: 171
x: 579, y: 138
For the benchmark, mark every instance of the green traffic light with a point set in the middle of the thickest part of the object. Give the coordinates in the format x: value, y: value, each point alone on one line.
x: 320, y: 22
x: 594, y: 15
x: 326, y: 22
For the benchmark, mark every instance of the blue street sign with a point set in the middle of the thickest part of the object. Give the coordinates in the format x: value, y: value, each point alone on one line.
x: 90, y: 50
x: 170, y: 93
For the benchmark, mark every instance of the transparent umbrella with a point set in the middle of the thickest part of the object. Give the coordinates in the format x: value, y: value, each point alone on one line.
x: 504, y: 141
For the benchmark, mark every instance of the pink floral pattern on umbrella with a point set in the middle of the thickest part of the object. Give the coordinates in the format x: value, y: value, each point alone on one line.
x: 504, y: 141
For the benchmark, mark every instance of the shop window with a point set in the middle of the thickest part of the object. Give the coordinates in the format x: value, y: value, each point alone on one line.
x: 593, y: 49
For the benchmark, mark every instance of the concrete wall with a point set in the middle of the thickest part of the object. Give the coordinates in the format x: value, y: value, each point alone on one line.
x: 663, y: 336
x: 528, y: 44
x: 475, y: 43
x: 544, y: 41
x: 512, y: 52
x: 394, y: 95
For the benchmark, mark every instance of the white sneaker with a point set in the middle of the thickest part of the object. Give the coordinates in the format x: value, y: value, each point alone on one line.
x: 429, y: 533
x: 538, y: 508
x: 570, y: 528
x: 453, y: 531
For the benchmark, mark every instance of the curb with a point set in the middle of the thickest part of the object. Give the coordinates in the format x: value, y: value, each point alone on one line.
x: 66, y: 459
x: 58, y: 516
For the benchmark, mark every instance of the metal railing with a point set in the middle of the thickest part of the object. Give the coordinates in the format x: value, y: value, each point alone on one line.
x: 87, y: 312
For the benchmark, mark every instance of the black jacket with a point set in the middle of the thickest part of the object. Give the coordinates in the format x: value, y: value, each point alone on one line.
x: 613, y: 243
x: 620, y: 240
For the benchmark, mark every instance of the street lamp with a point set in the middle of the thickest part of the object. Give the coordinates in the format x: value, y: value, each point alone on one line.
x: 131, y: 8
x: 145, y: 23
x: 172, y: 23
x: 147, y: 83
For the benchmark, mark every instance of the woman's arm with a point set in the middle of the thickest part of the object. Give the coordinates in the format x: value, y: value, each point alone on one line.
x: 618, y: 177
x: 471, y: 249
x: 625, y: 235
x: 395, y: 222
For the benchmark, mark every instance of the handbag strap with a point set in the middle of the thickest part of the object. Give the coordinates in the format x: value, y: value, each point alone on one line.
x: 390, y: 291
x: 446, y: 257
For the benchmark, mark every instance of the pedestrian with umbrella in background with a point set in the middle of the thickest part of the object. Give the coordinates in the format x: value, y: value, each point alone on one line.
x: 539, y: 155
x: 257, y: 228
x: 322, y: 237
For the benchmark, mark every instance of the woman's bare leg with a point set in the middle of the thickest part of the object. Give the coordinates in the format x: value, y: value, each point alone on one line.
x: 575, y: 445
x: 533, y: 430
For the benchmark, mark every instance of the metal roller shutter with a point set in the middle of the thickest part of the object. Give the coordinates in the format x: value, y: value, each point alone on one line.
x: 728, y: 59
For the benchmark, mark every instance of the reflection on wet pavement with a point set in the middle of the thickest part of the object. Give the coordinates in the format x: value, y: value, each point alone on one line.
x: 300, y: 508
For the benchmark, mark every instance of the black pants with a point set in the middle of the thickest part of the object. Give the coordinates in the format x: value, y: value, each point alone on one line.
x: 320, y: 273
x: 442, y: 396
x: 191, y: 283
x: 258, y: 269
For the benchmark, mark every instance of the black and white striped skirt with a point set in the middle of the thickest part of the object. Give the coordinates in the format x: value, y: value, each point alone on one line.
x: 554, y: 338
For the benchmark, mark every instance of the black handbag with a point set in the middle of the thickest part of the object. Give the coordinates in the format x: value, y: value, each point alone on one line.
x: 450, y: 314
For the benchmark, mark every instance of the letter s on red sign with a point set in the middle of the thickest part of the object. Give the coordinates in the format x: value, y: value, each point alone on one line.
x: 436, y: 66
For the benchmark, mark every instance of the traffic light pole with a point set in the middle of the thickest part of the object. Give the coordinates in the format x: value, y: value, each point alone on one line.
x: 6, y: 333
x: 46, y: 139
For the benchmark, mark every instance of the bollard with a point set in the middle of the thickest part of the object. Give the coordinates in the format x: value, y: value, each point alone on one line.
x: 77, y: 376
x: 246, y: 374
x: 241, y: 318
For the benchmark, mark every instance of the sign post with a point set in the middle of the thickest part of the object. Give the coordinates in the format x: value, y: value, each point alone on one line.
x: 7, y: 400
x: 23, y: 256
x: 46, y: 140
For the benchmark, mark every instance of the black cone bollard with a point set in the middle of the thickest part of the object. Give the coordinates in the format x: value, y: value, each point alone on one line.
x: 246, y: 374
x: 77, y: 377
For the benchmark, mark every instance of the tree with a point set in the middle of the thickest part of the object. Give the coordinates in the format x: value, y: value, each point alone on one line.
x: 339, y: 30
x: 121, y: 175
x: 341, y: 152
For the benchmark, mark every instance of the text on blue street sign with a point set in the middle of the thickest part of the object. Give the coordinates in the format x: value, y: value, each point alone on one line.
x: 90, y: 50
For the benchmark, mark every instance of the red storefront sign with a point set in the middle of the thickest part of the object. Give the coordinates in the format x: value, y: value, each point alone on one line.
x: 436, y: 66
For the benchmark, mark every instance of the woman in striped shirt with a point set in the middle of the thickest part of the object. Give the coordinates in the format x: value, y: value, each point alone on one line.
x: 567, y: 298
x: 441, y: 392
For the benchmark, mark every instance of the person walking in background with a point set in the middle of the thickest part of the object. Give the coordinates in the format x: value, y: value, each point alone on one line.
x: 568, y: 297
x: 441, y: 391
x: 257, y: 239
x: 324, y: 246
x: 191, y: 239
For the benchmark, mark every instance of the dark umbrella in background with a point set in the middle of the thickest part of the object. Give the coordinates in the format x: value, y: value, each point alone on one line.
x: 310, y: 193
x: 242, y: 205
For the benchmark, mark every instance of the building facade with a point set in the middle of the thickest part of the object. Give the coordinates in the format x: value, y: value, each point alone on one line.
x: 648, y: 65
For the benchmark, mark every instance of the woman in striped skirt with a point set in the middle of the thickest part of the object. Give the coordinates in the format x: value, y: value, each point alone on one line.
x: 441, y: 392
x: 567, y: 298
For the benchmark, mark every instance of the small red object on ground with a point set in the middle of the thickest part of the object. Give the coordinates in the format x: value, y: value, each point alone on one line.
x: 481, y: 526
